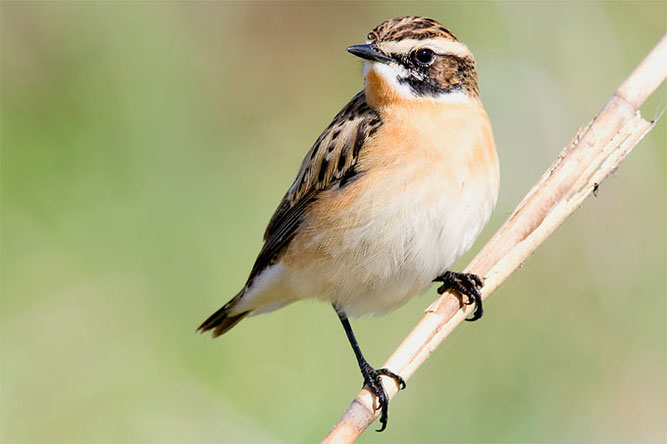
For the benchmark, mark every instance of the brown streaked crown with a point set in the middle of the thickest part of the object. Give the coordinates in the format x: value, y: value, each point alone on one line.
x: 410, y: 27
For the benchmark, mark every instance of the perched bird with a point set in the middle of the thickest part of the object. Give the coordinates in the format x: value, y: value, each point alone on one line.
x: 392, y: 193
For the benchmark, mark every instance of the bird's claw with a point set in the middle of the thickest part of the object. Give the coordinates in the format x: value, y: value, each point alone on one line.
x: 398, y: 378
x: 466, y: 284
x: 373, y: 381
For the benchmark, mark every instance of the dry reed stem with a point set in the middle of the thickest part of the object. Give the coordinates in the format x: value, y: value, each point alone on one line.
x: 593, y: 154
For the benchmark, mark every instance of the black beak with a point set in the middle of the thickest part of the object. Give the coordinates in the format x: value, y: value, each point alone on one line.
x: 369, y: 52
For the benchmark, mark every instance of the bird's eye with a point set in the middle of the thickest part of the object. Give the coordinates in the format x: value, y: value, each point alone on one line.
x: 424, y: 56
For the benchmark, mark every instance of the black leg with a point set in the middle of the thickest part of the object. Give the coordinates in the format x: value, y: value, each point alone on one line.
x: 371, y: 376
x: 466, y: 284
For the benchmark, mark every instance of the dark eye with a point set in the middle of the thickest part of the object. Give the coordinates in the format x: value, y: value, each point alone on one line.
x: 424, y: 56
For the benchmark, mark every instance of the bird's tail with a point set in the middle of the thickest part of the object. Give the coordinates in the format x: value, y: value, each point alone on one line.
x: 222, y: 320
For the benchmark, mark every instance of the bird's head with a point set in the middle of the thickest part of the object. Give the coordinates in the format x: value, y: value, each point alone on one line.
x: 416, y: 58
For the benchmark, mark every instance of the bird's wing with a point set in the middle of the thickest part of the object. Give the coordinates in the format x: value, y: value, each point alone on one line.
x: 331, y: 163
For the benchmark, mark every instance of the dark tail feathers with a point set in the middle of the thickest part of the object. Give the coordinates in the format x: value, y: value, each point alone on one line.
x: 221, y: 321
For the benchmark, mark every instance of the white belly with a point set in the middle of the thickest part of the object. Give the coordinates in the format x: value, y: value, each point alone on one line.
x: 408, y: 232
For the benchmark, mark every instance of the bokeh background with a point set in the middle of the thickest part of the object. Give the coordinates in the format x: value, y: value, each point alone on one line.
x: 145, y: 146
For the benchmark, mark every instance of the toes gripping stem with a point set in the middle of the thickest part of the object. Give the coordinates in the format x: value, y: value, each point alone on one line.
x: 373, y: 381
x: 466, y: 284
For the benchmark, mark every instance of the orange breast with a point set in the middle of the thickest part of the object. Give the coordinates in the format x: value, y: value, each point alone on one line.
x: 425, y: 149
x: 453, y: 140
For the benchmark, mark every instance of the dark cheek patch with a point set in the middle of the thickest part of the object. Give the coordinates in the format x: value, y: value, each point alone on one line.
x: 428, y: 86
x: 446, y: 75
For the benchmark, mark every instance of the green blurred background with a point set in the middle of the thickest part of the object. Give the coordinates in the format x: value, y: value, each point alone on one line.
x: 145, y: 146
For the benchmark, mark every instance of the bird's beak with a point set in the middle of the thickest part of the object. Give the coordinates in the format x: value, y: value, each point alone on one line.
x: 369, y: 52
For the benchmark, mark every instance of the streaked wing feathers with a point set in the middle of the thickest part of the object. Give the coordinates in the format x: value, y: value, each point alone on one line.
x: 330, y: 163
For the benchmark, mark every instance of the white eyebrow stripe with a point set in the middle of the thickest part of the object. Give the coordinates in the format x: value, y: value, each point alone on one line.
x: 439, y: 46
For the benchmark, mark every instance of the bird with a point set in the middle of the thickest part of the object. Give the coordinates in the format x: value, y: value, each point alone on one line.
x: 390, y: 195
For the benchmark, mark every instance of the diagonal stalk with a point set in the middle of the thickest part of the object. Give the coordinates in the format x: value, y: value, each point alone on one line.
x: 593, y: 154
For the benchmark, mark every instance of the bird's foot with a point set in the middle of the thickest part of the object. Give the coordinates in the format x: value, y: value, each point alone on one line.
x: 373, y: 381
x: 466, y: 284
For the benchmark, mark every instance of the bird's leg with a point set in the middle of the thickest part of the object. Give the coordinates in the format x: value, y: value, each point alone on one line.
x: 466, y: 284
x: 371, y: 376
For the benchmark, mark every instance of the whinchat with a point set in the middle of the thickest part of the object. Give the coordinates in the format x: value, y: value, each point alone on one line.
x: 391, y: 194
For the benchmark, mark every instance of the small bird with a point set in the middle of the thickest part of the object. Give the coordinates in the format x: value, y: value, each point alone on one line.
x: 390, y: 195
